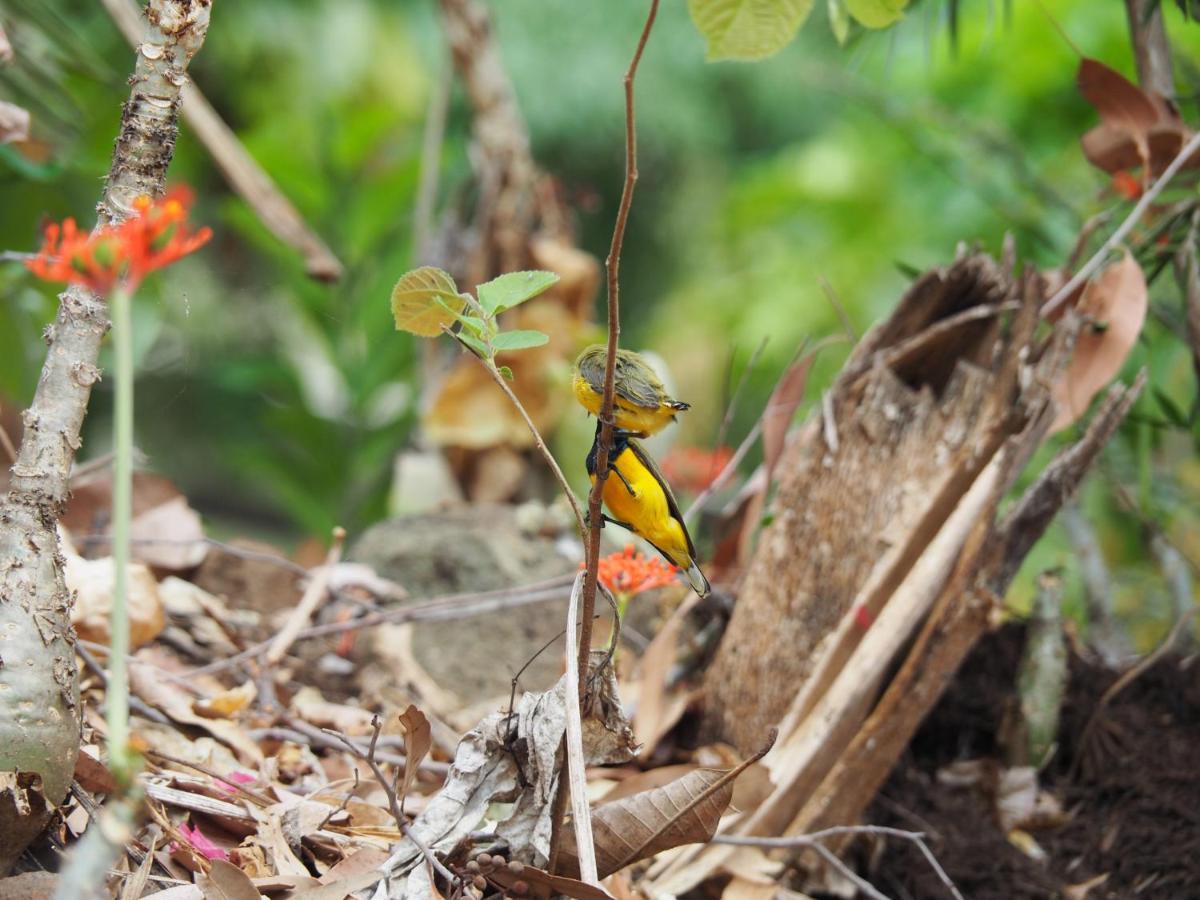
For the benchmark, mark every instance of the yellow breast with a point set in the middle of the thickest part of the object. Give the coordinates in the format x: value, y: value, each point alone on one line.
x: 638, y: 419
x: 646, y: 509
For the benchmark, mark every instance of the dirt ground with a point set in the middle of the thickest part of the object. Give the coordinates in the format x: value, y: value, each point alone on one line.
x: 1132, y: 793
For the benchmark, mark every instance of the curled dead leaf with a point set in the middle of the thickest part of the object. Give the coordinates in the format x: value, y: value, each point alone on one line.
x: 91, y: 580
x: 418, y: 740
x: 1114, y: 305
x: 1137, y: 128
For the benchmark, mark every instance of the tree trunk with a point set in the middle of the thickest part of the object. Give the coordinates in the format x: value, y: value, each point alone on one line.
x: 39, y: 680
x: 921, y: 407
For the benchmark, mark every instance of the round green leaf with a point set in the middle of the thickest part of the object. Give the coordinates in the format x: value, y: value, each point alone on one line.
x: 748, y: 29
x: 415, y: 301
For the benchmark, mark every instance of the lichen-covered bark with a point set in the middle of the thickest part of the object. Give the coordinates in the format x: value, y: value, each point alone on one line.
x: 39, y: 686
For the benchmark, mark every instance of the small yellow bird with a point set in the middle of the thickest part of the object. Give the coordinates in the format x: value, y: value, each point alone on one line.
x: 640, y: 402
x: 640, y: 500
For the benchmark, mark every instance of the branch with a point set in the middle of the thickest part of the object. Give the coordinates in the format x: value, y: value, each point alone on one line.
x: 40, y: 669
x: 612, y: 267
x: 240, y: 169
x: 537, y: 440
x: 1150, y: 46
x: 1135, y: 215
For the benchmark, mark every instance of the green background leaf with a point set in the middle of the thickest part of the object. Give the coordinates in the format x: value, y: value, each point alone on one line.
x: 519, y: 340
x: 415, y: 305
x: 748, y: 29
x: 876, y: 13
x: 512, y: 289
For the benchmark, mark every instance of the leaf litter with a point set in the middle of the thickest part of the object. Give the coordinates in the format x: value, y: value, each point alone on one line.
x: 254, y: 780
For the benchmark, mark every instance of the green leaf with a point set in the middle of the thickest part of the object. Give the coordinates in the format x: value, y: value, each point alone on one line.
x: 512, y: 289
x: 876, y: 13
x: 473, y: 324
x: 482, y: 349
x: 839, y: 21
x: 424, y: 300
x: 748, y: 29
x: 506, y: 372
x: 519, y: 340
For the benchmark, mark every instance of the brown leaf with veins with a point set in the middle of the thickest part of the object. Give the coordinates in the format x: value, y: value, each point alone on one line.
x: 1114, y: 306
x: 685, y: 811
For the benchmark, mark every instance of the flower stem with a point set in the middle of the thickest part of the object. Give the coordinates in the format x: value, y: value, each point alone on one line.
x: 120, y: 304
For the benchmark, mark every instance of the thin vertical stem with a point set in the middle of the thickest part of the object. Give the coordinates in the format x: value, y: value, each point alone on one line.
x: 122, y: 504
x: 612, y: 270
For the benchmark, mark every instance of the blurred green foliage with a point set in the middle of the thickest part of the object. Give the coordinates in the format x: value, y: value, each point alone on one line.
x: 278, y: 401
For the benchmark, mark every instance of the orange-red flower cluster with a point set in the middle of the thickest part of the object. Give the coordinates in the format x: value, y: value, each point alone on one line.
x: 693, y: 469
x: 629, y: 573
x: 154, y: 237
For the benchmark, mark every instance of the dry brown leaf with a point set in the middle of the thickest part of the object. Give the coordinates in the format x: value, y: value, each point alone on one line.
x: 686, y: 811
x: 92, y: 774
x: 418, y: 740
x: 777, y: 417
x: 647, y: 780
x: 169, y: 698
x: 1115, y: 302
x: 225, y: 881
x: 535, y: 877
x: 228, y: 703
x: 165, y: 532
x: 14, y: 123
x: 91, y: 580
x: 1136, y: 127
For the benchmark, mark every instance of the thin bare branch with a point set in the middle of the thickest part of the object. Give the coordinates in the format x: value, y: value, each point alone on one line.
x: 576, y: 774
x: 1135, y: 215
x: 389, y: 788
x: 538, y: 442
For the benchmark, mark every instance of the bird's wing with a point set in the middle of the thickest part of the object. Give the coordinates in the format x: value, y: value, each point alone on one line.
x: 640, y: 452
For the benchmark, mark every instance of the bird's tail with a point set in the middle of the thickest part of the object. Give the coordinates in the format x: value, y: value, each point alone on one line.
x: 678, y: 405
x: 697, y: 580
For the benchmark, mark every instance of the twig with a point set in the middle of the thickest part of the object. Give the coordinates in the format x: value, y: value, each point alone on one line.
x: 734, y: 399
x: 725, y: 474
x: 313, y: 595
x: 612, y: 266
x: 576, y: 774
x: 135, y: 703
x: 389, y: 788
x: 1128, y: 678
x: 813, y: 840
x: 448, y: 608
x: 538, y: 442
x: 836, y: 302
x: 1135, y: 215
